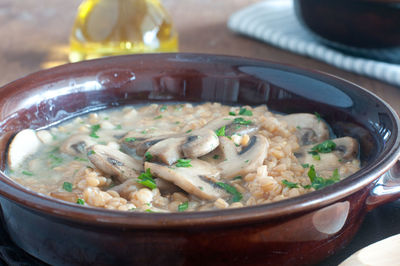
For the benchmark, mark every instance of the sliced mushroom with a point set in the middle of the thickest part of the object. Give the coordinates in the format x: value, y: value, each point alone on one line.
x: 247, y: 160
x: 310, y: 129
x: 346, y: 150
x: 233, y: 126
x: 114, y: 163
x: 167, y: 151
x: 76, y: 144
x: 24, y: 144
x: 199, y: 179
x: 199, y: 143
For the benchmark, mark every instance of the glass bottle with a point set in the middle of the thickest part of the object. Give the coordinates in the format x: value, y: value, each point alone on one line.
x: 115, y: 27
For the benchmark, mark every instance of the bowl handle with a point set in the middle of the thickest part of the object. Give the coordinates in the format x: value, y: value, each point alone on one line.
x: 387, y: 188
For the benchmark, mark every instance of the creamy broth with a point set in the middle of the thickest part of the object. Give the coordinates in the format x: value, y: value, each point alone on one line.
x: 181, y: 157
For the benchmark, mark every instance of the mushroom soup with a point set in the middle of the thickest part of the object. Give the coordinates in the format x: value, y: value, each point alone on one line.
x: 169, y: 158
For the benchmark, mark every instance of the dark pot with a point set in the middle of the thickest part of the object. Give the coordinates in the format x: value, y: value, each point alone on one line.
x: 297, y: 231
x: 359, y: 23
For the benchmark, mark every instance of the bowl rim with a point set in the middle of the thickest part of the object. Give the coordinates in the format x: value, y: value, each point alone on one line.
x: 304, y: 203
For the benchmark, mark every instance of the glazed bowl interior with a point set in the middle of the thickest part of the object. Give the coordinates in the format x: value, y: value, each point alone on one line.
x: 52, y: 96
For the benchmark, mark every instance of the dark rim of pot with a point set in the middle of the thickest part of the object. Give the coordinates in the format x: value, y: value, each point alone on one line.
x: 74, y: 212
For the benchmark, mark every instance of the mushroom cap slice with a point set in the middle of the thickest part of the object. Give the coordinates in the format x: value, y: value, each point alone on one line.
x: 248, y: 160
x: 310, y: 129
x: 76, y: 144
x: 346, y: 150
x: 199, y: 143
x: 232, y: 127
x: 167, y: 151
x: 24, y: 144
x: 198, y: 180
x: 114, y: 163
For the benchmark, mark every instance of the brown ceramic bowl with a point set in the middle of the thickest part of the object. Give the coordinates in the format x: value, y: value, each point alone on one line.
x: 358, y: 23
x: 297, y: 231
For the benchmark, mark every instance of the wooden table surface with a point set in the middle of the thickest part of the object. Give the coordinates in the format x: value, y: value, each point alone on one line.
x: 34, y: 35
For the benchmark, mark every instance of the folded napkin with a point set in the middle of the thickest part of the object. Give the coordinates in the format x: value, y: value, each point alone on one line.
x: 275, y: 22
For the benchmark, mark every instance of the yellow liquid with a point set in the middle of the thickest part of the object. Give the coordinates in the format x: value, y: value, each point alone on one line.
x: 116, y: 27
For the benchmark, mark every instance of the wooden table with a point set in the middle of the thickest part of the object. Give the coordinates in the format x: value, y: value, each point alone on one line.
x: 34, y: 35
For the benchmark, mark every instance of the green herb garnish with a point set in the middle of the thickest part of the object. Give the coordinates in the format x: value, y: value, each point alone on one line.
x: 221, y: 131
x: 305, y: 165
x: 241, y: 121
x: 183, y: 163
x: 130, y: 139
x: 324, y: 147
x: 290, y: 184
x: 76, y: 158
x: 319, y: 182
x: 216, y: 157
x: 80, y: 202
x: 55, y: 160
x: 237, y: 177
x: 146, y: 179
x: 158, y: 117
x: 67, y: 186
x: 315, y: 155
x: 148, y: 210
x: 163, y: 108
x: 318, y: 116
x: 232, y: 113
x: 244, y: 111
x: 118, y: 127
x: 27, y: 173
x: 148, y: 156
x: 190, y: 130
x: 237, y: 196
x: 91, y: 152
x: 93, y: 132
x: 183, y: 206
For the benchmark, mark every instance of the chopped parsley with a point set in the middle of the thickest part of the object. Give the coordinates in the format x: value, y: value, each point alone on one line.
x: 91, y: 152
x: 148, y: 210
x: 232, y: 113
x: 146, y: 179
x: 183, y: 163
x: 305, y: 165
x: 237, y: 177
x: 246, y: 161
x: 289, y: 184
x: 27, y: 173
x: 318, y: 116
x: 324, y: 147
x: 241, y: 121
x: 130, y: 139
x: 315, y: 155
x: 221, y: 131
x: 118, y: 127
x: 244, y: 111
x: 298, y: 127
x: 158, y: 117
x: 80, y: 202
x: 55, y: 160
x: 67, y: 186
x: 216, y: 157
x: 93, y: 132
x: 163, y: 108
x: 183, y: 206
x: 177, y: 122
x: 237, y: 196
x: 148, y: 156
x: 319, y: 182
x: 76, y: 158
x: 190, y: 130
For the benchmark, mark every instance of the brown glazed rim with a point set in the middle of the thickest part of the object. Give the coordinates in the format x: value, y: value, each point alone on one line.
x: 229, y: 217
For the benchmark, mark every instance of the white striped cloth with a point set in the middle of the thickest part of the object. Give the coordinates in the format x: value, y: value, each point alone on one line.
x: 275, y: 22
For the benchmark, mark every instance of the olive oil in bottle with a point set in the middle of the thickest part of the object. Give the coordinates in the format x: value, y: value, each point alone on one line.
x: 115, y: 27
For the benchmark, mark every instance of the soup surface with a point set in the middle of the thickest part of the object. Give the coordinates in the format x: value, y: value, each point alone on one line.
x: 174, y: 158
